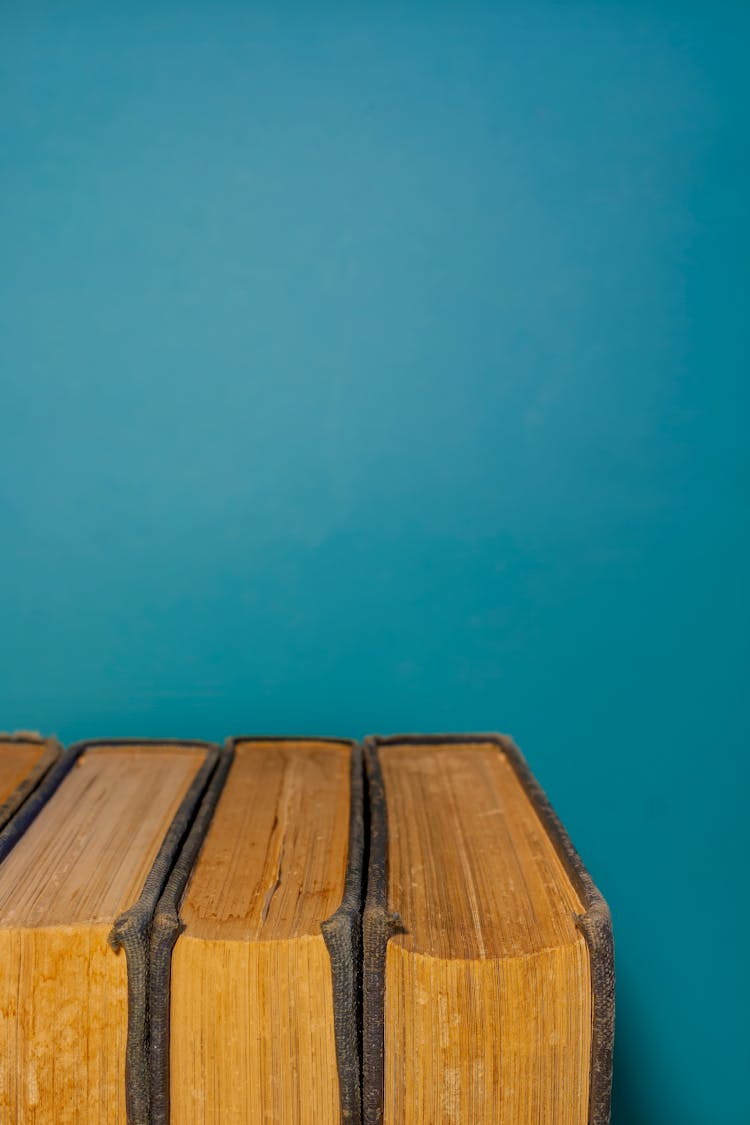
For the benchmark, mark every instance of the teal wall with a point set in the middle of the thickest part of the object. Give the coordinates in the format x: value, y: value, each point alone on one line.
x: 368, y: 368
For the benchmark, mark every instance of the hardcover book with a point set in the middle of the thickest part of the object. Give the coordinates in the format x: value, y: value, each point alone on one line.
x: 256, y: 944
x: 82, y: 864
x: 488, y: 955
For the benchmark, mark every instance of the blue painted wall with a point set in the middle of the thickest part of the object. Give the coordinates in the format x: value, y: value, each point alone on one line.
x: 378, y: 368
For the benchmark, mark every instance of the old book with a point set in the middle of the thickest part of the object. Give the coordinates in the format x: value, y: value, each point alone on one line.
x: 82, y: 865
x: 256, y: 944
x: 488, y: 957
x: 25, y: 758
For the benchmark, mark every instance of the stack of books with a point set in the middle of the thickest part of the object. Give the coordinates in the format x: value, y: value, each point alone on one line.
x: 295, y: 930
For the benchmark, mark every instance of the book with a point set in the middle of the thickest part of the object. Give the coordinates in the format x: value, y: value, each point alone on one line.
x: 488, y: 959
x: 25, y: 758
x: 256, y: 943
x: 82, y: 864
